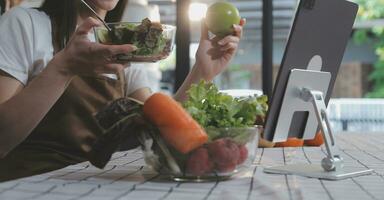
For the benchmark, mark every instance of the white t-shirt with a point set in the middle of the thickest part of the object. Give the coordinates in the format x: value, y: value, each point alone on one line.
x: 26, y: 47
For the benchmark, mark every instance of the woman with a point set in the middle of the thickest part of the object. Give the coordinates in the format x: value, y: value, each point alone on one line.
x: 53, y: 79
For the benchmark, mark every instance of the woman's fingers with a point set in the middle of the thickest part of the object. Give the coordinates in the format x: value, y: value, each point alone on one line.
x: 238, y: 28
x: 120, y: 49
x: 231, y: 42
x: 229, y: 46
x: 86, y: 57
x: 87, y: 26
x: 238, y: 31
x: 228, y: 39
x: 109, y: 52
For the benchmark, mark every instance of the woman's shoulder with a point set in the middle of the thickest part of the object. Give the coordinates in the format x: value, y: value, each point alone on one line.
x: 24, y: 42
x: 21, y: 12
x: 25, y: 16
x: 17, y: 12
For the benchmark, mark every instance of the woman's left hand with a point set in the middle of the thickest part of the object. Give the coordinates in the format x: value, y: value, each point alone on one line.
x: 214, y: 55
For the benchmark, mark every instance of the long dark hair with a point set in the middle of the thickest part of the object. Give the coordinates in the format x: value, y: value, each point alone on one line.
x: 63, y: 14
x: 2, y: 6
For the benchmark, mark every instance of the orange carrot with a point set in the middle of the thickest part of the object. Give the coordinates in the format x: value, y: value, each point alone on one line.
x: 176, y: 126
x: 317, y: 141
x: 291, y: 142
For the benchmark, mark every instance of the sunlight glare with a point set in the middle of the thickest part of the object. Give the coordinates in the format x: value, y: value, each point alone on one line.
x: 197, y: 11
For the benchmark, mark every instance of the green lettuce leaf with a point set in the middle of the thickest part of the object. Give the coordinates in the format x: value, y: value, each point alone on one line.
x: 210, y: 108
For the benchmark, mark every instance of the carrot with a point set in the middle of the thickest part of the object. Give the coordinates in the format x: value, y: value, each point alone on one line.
x: 263, y: 143
x: 317, y: 141
x: 291, y: 142
x: 176, y: 126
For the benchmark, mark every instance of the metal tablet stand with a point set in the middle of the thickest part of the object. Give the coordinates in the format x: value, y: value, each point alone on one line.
x: 304, y: 92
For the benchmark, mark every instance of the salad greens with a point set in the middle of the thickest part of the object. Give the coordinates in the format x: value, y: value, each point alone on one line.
x: 147, y: 37
x: 222, y: 115
x: 212, y: 109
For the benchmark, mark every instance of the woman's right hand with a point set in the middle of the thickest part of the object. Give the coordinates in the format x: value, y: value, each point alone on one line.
x: 79, y: 57
x: 83, y: 57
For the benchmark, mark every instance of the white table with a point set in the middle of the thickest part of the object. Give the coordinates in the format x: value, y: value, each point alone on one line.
x: 126, y: 177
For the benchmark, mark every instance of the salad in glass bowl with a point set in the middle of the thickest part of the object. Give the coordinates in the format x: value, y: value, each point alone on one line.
x: 210, y: 136
x: 154, y: 41
x: 233, y: 136
x: 231, y: 152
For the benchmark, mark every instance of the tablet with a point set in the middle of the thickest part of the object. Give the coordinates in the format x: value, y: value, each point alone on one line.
x: 317, y: 41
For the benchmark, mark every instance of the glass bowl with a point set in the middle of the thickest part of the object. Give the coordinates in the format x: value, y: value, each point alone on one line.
x: 154, y: 41
x: 229, y: 151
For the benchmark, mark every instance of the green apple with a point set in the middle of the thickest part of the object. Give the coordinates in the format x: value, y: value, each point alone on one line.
x: 220, y: 18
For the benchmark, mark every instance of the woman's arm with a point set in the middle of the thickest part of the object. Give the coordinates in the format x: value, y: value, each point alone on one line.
x: 22, y: 108
x: 212, y: 57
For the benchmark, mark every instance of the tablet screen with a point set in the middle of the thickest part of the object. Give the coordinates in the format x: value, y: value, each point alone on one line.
x: 321, y: 29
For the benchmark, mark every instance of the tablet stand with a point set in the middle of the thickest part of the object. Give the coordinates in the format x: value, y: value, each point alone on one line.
x: 304, y: 92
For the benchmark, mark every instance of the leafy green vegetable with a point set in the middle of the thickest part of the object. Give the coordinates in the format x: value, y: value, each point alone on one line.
x: 147, y: 37
x: 212, y: 109
x: 144, y: 50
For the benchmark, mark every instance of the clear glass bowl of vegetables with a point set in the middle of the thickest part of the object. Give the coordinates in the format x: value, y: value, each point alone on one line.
x: 154, y: 41
x: 232, y: 151
x: 224, y: 142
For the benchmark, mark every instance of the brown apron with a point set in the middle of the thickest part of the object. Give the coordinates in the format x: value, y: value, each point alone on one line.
x: 66, y: 134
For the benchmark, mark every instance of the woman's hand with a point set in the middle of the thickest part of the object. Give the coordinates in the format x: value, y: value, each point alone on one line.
x: 214, y: 55
x: 83, y: 57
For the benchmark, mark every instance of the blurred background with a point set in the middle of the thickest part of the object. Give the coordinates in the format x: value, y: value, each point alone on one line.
x: 356, y: 104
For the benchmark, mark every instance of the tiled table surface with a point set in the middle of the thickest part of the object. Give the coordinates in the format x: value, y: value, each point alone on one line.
x: 126, y: 177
